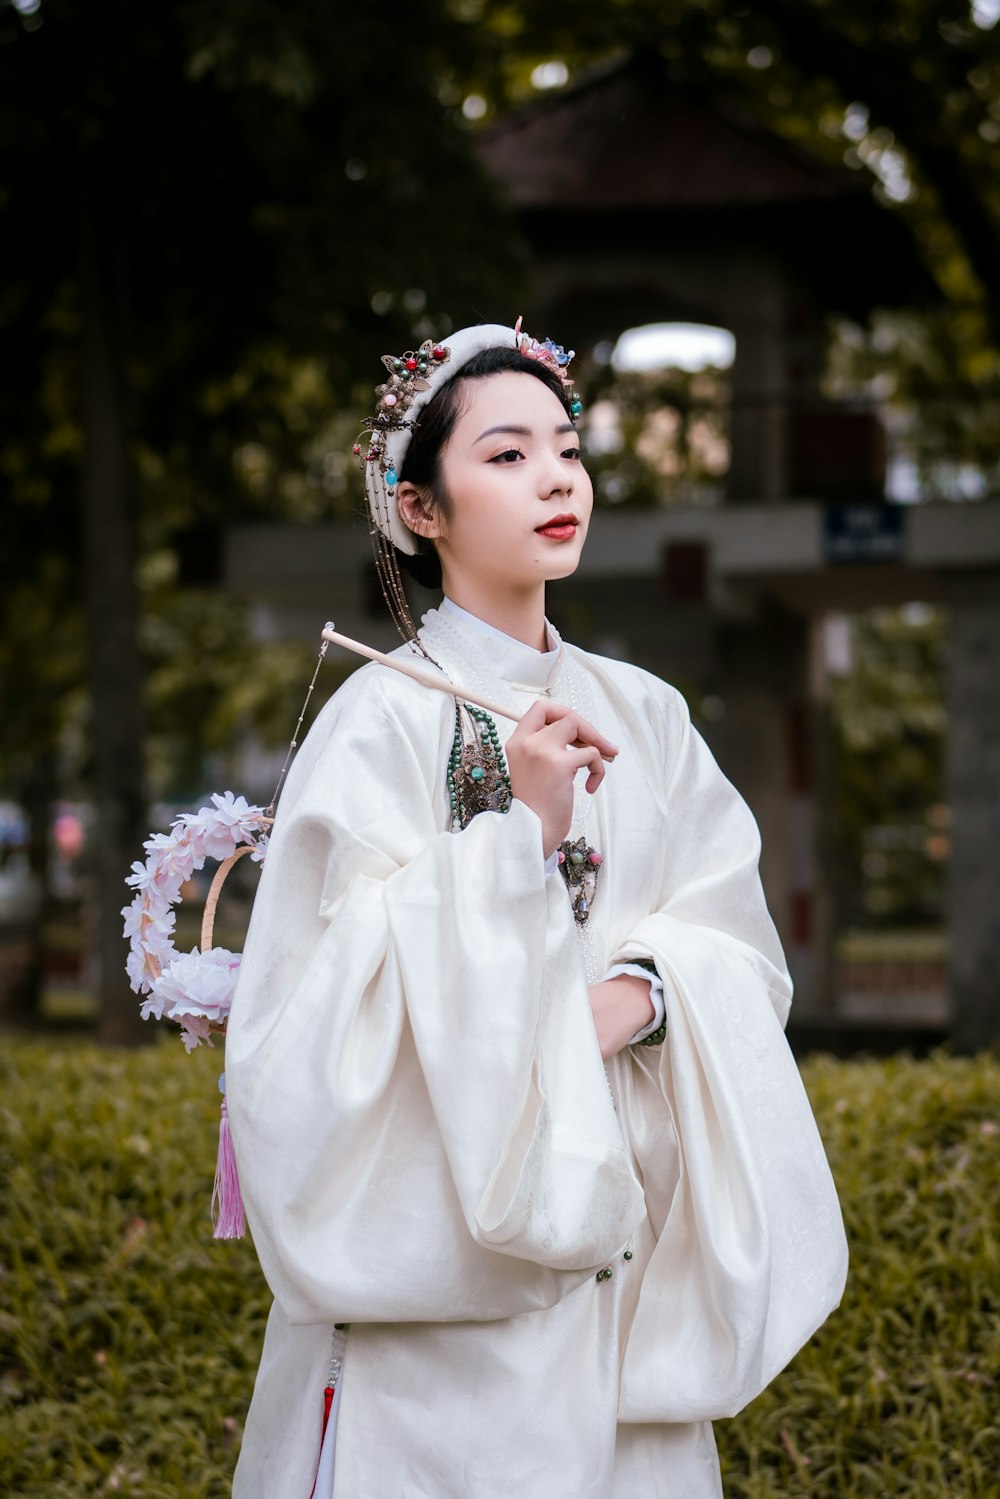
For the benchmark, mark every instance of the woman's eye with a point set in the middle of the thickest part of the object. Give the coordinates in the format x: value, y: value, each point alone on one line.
x: 510, y: 455
x: 573, y: 453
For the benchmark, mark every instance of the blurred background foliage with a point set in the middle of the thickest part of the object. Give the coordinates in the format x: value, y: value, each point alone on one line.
x: 235, y: 206
x: 888, y: 721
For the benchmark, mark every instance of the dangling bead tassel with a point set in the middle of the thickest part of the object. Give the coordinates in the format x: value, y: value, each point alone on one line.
x: 228, y: 1219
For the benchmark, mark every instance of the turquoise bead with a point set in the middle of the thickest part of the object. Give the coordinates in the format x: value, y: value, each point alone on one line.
x: 390, y: 477
x: 576, y: 857
x: 477, y: 772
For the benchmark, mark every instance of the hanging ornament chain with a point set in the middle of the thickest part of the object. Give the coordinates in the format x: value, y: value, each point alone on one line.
x: 294, y: 742
x: 394, y: 590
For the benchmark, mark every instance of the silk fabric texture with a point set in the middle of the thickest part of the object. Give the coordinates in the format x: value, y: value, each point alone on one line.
x: 432, y: 1150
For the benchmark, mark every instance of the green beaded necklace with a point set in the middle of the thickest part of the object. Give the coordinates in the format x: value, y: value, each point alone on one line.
x: 478, y: 780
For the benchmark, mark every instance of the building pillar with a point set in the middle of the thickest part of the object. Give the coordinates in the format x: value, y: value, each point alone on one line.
x: 974, y: 799
x: 759, y: 449
x: 767, y: 744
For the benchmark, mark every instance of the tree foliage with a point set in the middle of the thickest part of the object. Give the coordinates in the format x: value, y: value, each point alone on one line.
x: 888, y: 745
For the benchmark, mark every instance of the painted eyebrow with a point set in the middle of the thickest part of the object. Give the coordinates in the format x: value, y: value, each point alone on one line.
x: 521, y: 431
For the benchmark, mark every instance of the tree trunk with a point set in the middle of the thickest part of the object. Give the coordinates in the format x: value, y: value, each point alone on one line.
x: 111, y: 606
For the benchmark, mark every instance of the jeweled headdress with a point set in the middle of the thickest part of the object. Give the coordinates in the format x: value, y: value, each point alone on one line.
x: 414, y: 378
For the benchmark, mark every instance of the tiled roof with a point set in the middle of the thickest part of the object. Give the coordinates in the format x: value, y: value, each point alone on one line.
x: 626, y: 137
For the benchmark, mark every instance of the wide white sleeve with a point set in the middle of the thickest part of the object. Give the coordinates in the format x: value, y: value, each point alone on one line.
x: 750, y: 1254
x: 421, y: 1118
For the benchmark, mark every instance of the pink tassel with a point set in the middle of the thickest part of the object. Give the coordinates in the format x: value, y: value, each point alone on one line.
x: 228, y: 1219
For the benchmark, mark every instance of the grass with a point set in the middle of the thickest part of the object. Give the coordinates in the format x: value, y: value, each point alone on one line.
x: 129, y: 1336
x: 129, y: 1339
x: 900, y: 1393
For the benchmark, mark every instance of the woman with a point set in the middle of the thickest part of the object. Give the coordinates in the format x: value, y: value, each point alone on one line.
x: 506, y: 1071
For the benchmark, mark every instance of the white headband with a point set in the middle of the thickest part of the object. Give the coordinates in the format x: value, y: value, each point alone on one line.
x: 414, y: 378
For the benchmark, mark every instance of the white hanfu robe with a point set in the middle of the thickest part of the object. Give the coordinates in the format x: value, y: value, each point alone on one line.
x: 432, y: 1150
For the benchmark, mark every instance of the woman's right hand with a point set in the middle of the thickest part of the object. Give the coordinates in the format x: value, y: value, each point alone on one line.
x: 544, y: 753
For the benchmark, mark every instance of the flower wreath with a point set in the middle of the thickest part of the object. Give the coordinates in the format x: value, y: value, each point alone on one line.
x: 194, y: 988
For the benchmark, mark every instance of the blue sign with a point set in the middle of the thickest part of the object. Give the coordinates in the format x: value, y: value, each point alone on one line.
x: 863, y: 533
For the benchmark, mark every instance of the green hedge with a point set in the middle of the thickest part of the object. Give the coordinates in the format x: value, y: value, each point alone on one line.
x: 129, y: 1339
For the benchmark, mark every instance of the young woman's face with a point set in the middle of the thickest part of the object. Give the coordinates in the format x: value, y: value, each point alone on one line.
x: 520, y: 496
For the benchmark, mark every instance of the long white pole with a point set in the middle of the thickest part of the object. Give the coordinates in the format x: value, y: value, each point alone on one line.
x: 410, y: 669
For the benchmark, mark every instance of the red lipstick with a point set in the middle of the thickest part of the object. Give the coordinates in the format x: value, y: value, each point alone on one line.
x: 559, y: 528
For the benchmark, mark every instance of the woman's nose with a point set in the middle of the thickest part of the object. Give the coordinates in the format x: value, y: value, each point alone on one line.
x: 557, y: 478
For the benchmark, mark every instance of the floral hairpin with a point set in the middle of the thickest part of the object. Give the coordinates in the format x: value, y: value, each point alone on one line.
x: 555, y: 358
x: 408, y: 375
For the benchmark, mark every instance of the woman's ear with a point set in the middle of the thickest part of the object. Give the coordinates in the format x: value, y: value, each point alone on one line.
x: 417, y: 512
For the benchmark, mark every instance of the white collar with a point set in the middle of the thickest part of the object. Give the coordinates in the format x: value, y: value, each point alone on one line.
x: 519, y: 664
x: 551, y: 635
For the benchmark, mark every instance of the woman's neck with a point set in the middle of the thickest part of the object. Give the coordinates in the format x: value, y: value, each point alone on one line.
x: 521, y: 616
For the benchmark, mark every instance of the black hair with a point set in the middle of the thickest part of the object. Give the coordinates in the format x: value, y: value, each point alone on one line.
x: 434, y: 426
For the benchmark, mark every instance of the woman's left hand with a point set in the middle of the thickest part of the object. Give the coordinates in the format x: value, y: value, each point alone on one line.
x: 621, y: 1006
